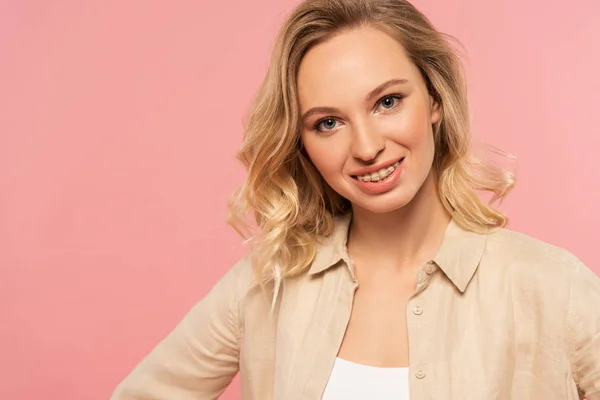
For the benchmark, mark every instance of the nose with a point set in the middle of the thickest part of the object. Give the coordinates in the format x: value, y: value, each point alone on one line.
x: 367, y: 143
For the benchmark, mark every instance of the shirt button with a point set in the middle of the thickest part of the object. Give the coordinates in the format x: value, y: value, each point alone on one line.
x: 430, y: 269
x: 420, y: 374
x: 417, y: 310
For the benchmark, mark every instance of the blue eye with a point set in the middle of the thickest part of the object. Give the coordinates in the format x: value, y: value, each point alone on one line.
x: 389, y: 102
x: 325, y: 125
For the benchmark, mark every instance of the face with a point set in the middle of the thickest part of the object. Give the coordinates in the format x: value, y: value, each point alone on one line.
x: 367, y: 119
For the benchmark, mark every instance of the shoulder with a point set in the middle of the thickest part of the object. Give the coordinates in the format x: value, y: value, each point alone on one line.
x: 240, y: 280
x: 521, y: 251
x: 242, y: 273
x: 535, y: 268
x: 232, y: 290
x: 532, y: 268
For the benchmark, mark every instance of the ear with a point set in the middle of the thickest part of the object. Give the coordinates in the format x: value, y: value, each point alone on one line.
x: 436, y: 110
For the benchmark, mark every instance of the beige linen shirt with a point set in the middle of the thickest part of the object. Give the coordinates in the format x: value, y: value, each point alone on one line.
x: 494, y: 316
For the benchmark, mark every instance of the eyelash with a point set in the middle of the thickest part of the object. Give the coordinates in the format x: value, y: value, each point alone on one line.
x: 397, y: 97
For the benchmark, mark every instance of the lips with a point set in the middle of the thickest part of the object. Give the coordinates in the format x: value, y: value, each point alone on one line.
x: 381, y: 180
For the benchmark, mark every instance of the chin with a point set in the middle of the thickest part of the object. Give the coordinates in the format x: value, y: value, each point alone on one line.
x: 383, y: 204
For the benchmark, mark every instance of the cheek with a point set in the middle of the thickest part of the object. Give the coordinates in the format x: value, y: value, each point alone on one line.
x: 414, y: 132
x: 327, y: 156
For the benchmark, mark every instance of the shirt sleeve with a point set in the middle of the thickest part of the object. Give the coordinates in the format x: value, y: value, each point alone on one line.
x: 583, y: 330
x: 199, y: 358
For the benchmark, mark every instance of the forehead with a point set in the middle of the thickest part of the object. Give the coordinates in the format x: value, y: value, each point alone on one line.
x: 349, y: 65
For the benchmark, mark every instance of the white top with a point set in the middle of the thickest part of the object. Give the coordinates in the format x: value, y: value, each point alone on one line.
x: 351, y: 381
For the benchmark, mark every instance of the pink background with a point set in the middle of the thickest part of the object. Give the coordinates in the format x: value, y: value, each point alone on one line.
x: 119, y: 122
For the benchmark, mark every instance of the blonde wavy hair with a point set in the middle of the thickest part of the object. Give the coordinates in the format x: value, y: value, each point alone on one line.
x: 293, y: 207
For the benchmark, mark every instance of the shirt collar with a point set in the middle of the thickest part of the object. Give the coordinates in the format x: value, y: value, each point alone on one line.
x: 333, y: 248
x: 458, y: 257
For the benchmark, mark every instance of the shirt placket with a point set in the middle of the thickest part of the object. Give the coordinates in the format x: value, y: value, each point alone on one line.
x: 419, y: 317
x: 332, y: 321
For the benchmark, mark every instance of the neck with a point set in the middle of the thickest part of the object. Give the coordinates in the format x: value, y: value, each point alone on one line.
x: 407, y: 236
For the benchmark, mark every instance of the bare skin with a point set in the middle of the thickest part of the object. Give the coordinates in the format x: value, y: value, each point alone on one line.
x: 395, y: 232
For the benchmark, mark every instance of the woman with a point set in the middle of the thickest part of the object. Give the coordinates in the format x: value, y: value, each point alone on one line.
x: 377, y: 271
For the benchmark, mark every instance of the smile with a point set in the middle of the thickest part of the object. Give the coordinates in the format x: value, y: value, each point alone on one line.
x: 378, y: 175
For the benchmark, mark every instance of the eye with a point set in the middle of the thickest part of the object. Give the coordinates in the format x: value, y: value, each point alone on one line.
x: 325, y: 125
x: 389, y: 102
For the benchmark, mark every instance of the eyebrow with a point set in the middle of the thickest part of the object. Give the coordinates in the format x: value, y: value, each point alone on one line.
x: 372, y: 94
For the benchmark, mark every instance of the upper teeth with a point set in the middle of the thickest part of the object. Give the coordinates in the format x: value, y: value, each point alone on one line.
x: 378, y: 175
